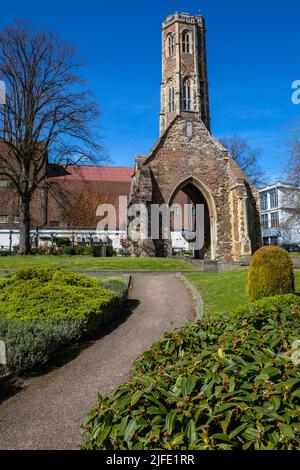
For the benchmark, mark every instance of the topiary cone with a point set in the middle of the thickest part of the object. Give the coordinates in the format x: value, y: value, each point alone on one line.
x: 271, y: 273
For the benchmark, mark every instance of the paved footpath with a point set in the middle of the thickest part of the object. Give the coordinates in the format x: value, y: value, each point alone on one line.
x: 47, y: 412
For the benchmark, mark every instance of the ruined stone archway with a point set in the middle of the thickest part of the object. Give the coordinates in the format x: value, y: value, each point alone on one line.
x: 197, y: 193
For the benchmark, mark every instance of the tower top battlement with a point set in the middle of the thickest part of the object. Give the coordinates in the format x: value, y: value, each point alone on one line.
x: 184, y: 17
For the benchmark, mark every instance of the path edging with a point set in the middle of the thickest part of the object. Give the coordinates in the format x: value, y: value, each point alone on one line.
x: 196, y: 296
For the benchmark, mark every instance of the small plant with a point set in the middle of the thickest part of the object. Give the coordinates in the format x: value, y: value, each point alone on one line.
x: 271, y: 273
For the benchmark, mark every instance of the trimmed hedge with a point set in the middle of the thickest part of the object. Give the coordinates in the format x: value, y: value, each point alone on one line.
x: 271, y: 273
x: 43, y: 309
x: 228, y: 383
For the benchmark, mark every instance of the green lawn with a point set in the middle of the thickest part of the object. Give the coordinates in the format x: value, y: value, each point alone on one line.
x: 91, y: 263
x: 222, y: 292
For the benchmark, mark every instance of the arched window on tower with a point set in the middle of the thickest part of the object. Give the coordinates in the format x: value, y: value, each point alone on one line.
x: 170, y: 44
x: 186, y: 42
x: 187, y: 94
x: 171, y: 96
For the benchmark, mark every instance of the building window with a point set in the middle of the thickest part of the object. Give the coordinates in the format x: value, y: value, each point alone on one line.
x: 171, y: 96
x: 5, y: 183
x: 187, y: 94
x: 175, y: 210
x: 273, y: 199
x: 264, y: 221
x: 273, y: 241
x: 186, y: 42
x: 3, y: 219
x: 274, y: 220
x: 266, y: 241
x: 54, y: 223
x: 264, y: 202
x: 16, y: 219
x: 170, y: 43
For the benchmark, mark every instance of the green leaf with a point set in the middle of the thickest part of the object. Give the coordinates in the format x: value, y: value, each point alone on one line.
x: 123, y: 425
x: 226, y: 421
x: 170, y: 422
x: 250, y: 434
x: 103, y: 435
x: 232, y: 384
x: 136, y: 396
x: 237, y: 431
x: 178, y: 439
x: 188, y: 385
x: 286, y: 431
x: 191, y: 431
x: 130, y: 430
x: 220, y: 437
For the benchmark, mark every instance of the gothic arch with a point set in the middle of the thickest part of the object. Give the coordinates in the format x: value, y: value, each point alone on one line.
x: 212, y: 211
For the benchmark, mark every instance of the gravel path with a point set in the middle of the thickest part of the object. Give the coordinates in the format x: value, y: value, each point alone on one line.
x: 47, y: 411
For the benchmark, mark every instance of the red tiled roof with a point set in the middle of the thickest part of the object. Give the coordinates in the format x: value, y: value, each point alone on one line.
x: 91, y: 173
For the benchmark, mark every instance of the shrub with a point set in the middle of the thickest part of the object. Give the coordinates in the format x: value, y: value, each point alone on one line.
x: 70, y: 250
x: 87, y: 251
x: 42, y: 309
x: 97, y: 251
x: 62, y: 242
x: 31, y: 343
x: 225, y: 384
x: 4, y: 252
x: 271, y: 273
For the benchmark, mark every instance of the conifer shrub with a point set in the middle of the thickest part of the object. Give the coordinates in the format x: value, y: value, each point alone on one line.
x: 44, y: 309
x: 271, y: 273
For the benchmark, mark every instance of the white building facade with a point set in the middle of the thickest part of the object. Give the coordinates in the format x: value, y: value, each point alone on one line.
x: 279, y: 221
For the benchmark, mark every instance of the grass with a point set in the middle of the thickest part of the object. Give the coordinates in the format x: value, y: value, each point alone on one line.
x: 223, y: 292
x: 92, y: 264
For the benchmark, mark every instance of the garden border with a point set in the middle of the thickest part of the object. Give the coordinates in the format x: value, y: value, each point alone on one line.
x: 196, y: 296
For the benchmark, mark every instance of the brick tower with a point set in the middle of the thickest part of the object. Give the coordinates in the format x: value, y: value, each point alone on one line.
x: 188, y: 159
x: 184, y: 69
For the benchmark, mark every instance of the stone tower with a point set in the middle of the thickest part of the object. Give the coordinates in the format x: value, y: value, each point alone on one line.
x: 187, y: 160
x: 184, y: 69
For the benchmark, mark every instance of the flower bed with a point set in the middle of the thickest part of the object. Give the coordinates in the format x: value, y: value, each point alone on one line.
x: 228, y: 383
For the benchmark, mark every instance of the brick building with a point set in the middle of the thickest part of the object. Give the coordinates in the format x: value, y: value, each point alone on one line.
x: 50, y: 214
x: 188, y: 159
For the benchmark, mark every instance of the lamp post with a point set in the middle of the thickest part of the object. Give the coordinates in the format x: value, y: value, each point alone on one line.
x: 10, y: 240
x: 37, y: 237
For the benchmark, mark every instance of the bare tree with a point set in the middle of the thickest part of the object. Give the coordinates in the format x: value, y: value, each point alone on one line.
x: 293, y: 167
x: 247, y: 158
x: 291, y: 197
x: 48, y: 114
x: 79, y: 211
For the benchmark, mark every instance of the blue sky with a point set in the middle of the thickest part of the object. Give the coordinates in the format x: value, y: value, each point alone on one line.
x: 253, y: 57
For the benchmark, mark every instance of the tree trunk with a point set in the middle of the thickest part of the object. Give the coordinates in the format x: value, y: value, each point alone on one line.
x: 24, y: 244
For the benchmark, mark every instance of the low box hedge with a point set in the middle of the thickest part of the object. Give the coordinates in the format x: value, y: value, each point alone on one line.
x: 43, y: 309
x: 224, y: 384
